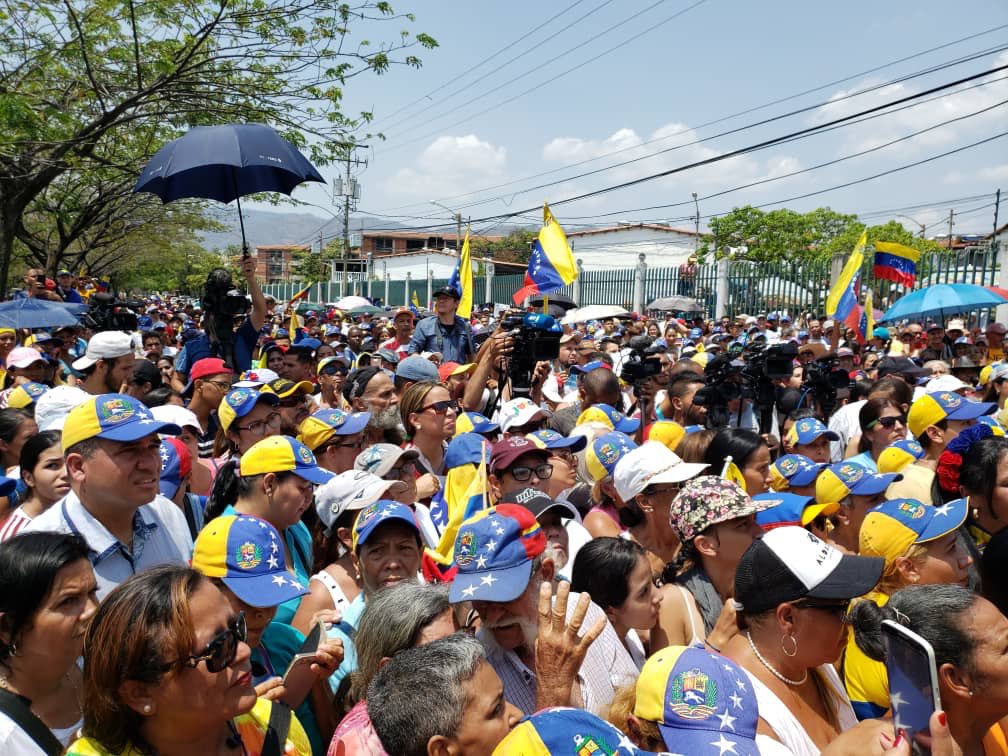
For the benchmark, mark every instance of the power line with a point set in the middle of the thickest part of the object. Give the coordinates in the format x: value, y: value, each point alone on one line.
x: 506, y: 63
x: 744, y: 112
x: 553, y: 78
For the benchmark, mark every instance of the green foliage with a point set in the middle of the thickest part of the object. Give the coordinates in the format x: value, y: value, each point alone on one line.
x: 515, y: 247
x: 313, y: 266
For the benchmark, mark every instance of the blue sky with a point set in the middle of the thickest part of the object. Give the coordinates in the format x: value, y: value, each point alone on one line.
x: 713, y: 60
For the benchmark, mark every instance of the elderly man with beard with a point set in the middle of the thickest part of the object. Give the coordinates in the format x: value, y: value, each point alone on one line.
x: 501, y: 559
x: 369, y: 389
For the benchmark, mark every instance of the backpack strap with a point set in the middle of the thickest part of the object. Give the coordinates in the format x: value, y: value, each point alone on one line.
x: 276, y: 731
x: 18, y: 710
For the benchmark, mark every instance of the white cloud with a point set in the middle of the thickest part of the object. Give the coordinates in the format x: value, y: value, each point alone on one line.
x: 450, y: 165
x: 993, y: 173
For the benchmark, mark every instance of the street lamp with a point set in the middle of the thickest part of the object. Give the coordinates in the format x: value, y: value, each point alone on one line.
x: 917, y: 223
x: 458, y: 224
x: 696, y: 239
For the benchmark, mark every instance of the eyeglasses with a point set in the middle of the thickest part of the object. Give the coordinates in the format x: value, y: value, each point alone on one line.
x: 293, y: 401
x: 442, y: 407
x: 219, y: 384
x: 838, y: 609
x: 406, y: 468
x: 219, y: 653
x: 888, y: 422
x: 334, y: 371
x: 564, y: 455
x: 258, y: 428
x: 522, y: 473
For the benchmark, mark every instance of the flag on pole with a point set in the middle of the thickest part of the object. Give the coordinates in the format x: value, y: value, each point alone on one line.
x: 466, y: 492
x: 896, y: 262
x: 842, y: 300
x: 303, y: 294
x: 866, y: 326
x: 551, y: 266
x: 462, y: 280
x: 415, y: 304
x: 731, y: 472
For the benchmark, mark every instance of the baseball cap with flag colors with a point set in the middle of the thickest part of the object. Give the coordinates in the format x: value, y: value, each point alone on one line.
x: 238, y: 402
x: 608, y: 416
x: 604, y: 452
x: 474, y: 422
x: 321, y: 426
x: 703, y: 703
x: 282, y: 454
x: 25, y: 395
x: 377, y: 514
x: 246, y: 554
x: 944, y: 405
x: 667, y: 432
x: 567, y: 731
x: 807, y: 430
x: 794, y: 470
x: 116, y: 417
x: 898, y: 455
x: 840, y: 480
x: 494, y: 550
x: 893, y: 526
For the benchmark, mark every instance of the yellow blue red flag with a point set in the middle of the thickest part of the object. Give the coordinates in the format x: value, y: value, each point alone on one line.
x: 551, y: 265
x: 462, y: 280
x: 466, y: 492
x: 896, y: 262
x: 842, y: 300
x: 301, y: 294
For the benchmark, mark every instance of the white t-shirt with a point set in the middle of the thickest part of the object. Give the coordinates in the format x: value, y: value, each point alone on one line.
x: 845, y: 423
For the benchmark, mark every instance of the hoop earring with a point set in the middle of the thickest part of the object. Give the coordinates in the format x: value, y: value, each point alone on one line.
x: 794, y: 650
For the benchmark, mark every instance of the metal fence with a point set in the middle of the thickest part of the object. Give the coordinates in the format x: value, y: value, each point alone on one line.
x: 795, y: 286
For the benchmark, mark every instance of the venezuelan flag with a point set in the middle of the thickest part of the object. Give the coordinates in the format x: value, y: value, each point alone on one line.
x: 462, y: 280
x: 551, y: 266
x: 466, y: 493
x: 301, y: 294
x: 866, y: 324
x: 731, y: 472
x: 415, y: 304
x: 842, y: 300
x: 896, y: 262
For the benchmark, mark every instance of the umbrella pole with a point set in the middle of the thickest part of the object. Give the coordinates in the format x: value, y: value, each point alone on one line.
x: 241, y: 220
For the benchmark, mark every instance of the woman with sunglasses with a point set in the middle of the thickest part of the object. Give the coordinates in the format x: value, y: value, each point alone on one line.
x: 428, y: 413
x: 883, y: 422
x: 47, y: 598
x: 792, y: 593
x: 167, y: 670
x: 920, y: 546
x: 332, y: 372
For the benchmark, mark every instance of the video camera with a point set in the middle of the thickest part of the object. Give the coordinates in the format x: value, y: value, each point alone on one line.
x: 220, y: 297
x: 536, y: 338
x: 821, y: 379
x: 642, y: 362
x: 108, y: 313
x: 746, y: 375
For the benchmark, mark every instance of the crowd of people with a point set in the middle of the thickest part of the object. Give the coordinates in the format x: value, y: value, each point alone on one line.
x: 258, y: 532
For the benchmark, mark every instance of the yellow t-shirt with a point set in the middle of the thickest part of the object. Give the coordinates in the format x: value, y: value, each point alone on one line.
x: 251, y: 726
x: 866, y: 680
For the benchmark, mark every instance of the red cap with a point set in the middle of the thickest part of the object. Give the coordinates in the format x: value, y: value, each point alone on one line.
x: 208, y: 366
x: 505, y: 452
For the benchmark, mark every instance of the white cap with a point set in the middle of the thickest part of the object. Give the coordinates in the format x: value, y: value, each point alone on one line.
x: 106, y: 345
x: 956, y: 324
x: 518, y: 412
x: 255, y: 378
x: 351, y: 490
x: 180, y: 416
x: 55, y: 404
x: 650, y: 463
x: 945, y: 383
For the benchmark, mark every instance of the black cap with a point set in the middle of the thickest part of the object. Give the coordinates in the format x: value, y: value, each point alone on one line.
x: 145, y: 371
x: 891, y: 365
x: 446, y: 291
x: 538, y: 502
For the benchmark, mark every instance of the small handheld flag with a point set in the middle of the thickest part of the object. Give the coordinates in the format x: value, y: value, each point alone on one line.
x: 462, y: 280
x: 415, y: 304
x: 731, y: 472
x: 303, y: 294
x: 551, y: 265
x: 896, y: 262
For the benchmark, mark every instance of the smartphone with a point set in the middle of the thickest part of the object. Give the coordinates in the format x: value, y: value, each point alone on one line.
x: 913, y: 684
x: 299, y: 678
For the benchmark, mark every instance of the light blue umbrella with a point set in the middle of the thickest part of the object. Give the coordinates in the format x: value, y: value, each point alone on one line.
x: 941, y: 300
x: 29, y: 312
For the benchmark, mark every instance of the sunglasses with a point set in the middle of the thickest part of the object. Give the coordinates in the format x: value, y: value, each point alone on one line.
x: 522, y: 473
x: 442, y: 407
x: 219, y: 653
x: 838, y: 609
x: 888, y: 422
x: 293, y: 401
x: 334, y: 371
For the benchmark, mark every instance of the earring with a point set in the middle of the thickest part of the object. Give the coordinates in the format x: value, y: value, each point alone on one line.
x: 147, y: 708
x: 794, y: 648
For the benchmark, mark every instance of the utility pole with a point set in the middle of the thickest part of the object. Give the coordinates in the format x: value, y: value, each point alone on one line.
x: 951, y: 214
x: 458, y: 225
x: 349, y: 189
x: 997, y: 206
x: 696, y: 239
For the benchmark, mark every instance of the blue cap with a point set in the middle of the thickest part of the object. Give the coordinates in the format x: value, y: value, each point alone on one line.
x: 794, y: 470
x: 696, y: 333
x: 145, y: 322
x: 281, y: 333
x: 238, y: 402
x: 171, y: 467
x: 494, y: 550
x: 476, y: 423
x: 881, y: 332
x: 307, y: 343
x: 589, y: 366
x: 246, y: 554
x: 7, y: 485
x: 567, y: 731
x: 807, y: 430
x: 927, y: 523
x: 605, y: 451
x: 382, y: 511
x: 466, y: 449
x: 619, y: 421
x: 693, y: 429
x: 550, y: 439
x: 805, y: 334
x: 417, y: 368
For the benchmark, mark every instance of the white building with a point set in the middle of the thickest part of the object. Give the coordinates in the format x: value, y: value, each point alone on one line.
x: 619, y: 246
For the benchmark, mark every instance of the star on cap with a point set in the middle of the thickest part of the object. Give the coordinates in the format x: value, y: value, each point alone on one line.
x: 470, y: 591
x: 727, y: 720
x: 736, y: 700
x: 480, y: 562
x: 262, y: 524
x: 943, y: 510
x: 491, y: 545
x: 724, y: 745
x: 488, y: 580
x: 279, y: 580
x: 146, y: 420
x: 741, y: 685
x: 498, y: 529
x: 385, y: 513
x: 273, y: 562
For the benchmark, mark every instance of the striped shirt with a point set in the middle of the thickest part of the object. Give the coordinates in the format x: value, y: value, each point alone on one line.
x: 13, y: 524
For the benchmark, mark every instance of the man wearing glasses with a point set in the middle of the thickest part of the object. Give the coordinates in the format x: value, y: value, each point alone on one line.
x: 335, y: 437
x: 295, y: 402
x: 209, y: 380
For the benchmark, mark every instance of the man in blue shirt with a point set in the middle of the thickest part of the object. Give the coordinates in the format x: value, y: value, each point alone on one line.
x: 444, y: 332
x: 112, y: 452
x: 65, y: 287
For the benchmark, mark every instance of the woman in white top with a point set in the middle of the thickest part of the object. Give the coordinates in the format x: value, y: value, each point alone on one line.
x: 47, y: 599
x: 616, y: 573
x: 44, y: 472
x: 792, y: 593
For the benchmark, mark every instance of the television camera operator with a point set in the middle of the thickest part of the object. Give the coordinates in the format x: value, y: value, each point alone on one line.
x: 222, y: 303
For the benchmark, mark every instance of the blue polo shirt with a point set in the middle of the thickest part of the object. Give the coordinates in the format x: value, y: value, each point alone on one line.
x: 160, y: 536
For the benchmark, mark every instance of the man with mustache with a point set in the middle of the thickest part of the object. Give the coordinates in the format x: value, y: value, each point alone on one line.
x: 501, y: 566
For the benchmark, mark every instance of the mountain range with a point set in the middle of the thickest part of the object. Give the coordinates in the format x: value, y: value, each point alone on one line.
x: 263, y: 227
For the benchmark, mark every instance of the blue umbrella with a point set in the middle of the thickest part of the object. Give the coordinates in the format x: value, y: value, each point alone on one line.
x: 225, y: 163
x: 29, y: 312
x: 941, y: 300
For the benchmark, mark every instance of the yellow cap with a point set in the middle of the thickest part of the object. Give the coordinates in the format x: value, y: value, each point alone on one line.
x: 667, y: 432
